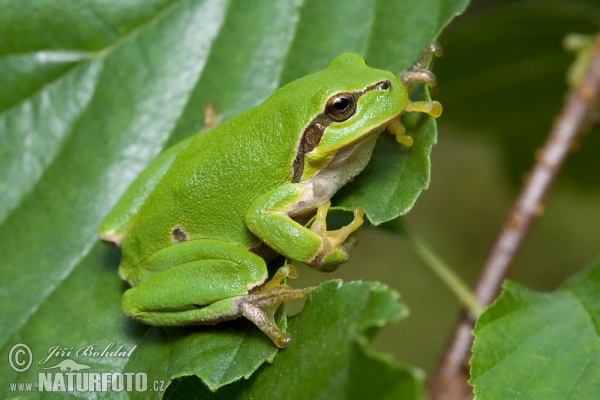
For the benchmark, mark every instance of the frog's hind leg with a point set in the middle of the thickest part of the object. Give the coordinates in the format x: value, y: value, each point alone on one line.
x: 417, y: 73
x: 203, y: 282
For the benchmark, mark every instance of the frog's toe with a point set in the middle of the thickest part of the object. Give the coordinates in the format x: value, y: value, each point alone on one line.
x: 431, y: 108
x: 286, y: 271
x: 260, y: 306
x: 395, y: 127
x: 266, y: 324
x: 338, y: 237
x: 336, y: 244
x: 423, y: 76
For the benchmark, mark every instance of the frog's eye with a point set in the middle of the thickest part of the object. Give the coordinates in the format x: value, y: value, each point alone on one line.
x: 340, y: 106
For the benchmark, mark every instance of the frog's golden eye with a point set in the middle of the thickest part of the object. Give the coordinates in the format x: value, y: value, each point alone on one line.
x: 340, y: 106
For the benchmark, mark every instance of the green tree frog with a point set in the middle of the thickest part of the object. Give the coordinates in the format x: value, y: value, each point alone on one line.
x: 197, y: 227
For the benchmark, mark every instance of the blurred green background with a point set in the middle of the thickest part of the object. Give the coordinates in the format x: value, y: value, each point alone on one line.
x: 502, y: 81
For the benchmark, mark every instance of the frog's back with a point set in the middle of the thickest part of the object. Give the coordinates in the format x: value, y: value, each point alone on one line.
x: 211, y: 184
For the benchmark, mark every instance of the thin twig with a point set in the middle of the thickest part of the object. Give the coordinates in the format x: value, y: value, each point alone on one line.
x: 450, y: 381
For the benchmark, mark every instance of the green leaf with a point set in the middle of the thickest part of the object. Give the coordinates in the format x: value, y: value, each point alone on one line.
x: 93, y: 91
x: 83, y: 313
x: 540, y: 345
x: 218, y: 355
x: 329, y: 357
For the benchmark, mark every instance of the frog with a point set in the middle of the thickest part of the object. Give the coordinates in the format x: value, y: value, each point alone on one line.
x: 199, y: 225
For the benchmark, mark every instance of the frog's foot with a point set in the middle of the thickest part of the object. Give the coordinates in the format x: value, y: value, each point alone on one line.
x: 432, y: 49
x: 431, y: 108
x: 423, y: 76
x: 286, y: 271
x: 260, y: 305
x: 396, y: 128
x: 418, y: 73
x: 335, y: 244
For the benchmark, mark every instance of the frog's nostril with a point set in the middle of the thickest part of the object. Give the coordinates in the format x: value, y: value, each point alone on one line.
x: 384, y: 85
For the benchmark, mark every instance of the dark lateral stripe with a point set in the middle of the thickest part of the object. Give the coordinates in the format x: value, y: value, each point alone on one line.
x: 312, y: 134
x: 311, y: 137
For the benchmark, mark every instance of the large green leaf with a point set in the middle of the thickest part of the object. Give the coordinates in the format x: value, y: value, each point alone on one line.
x: 93, y: 91
x: 540, y: 345
x: 218, y: 355
x: 329, y: 358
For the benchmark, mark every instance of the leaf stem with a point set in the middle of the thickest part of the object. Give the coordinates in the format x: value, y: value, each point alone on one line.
x: 444, y: 272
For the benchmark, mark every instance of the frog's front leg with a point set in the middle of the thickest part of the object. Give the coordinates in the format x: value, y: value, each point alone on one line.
x: 270, y: 217
x: 203, y: 282
x: 418, y: 74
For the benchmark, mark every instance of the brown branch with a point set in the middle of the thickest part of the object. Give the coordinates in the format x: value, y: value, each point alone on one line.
x: 450, y: 382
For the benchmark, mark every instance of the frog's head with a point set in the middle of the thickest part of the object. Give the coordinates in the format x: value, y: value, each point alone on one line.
x: 352, y: 102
